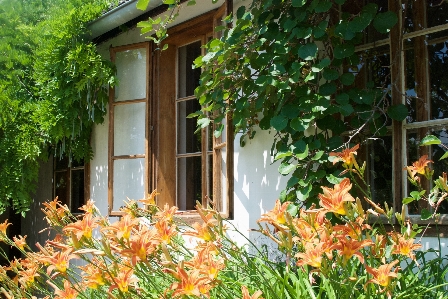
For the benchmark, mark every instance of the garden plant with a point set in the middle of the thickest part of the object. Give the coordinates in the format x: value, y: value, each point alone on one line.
x: 340, y: 248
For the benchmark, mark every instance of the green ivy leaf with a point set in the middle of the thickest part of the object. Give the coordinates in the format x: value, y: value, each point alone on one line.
x: 330, y: 74
x: 279, y: 122
x: 281, y: 155
x: 303, y: 155
x: 142, y: 4
x: 303, y: 193
x: 327, y: 89
x: 299, y: 125
x: 203, y: 122
x: 445, y: 155
x: 342, y: 98
x: 344, y: 30
x: 323, y: 6
x: 425, y: 214
x: 383, y: 22
x: 347, y: 79
x: 397, y: 112
x: 285, y: 168
x: 292, y: 181
x: 430, y: 139
x: 298, y: 3
x: 408, y: 200
x: 292, y: 209
x: 344, y: 50
x: 333, y: 179
x: 346, y: 109
x: 308, y: 51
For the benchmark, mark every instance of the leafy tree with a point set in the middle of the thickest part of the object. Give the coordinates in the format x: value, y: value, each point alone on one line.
x: 53, y: 88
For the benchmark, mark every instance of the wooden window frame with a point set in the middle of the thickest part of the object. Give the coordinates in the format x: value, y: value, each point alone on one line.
x: 396, y: 41
x: 113, y: 211
x: 193, y: 30
x: 69, y: 169
x: 160, y: 154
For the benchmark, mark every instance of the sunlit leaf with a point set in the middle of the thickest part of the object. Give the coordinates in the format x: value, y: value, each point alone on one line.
x: 429, y: 139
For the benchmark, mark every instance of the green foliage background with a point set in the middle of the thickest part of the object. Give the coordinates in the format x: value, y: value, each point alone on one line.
x: 53, y: 87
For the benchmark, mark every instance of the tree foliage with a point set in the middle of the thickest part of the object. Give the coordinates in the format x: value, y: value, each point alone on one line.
x: 53, y: 88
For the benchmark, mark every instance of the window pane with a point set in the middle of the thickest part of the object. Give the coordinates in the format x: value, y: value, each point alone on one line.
x: 131, y: 74
x: 416, y: 19
x: 210, y: 175
x: 438, y: 75
x: 129, y: 129
x: 188, y: 78
x: 187, y: 140
x: 61, y: 186
x: 379, y: 169
x: 77, y: 182
x: 60, y: 164
x: 129, y: 178
x: 189, y: 182
x: 372, y: 72
x: 426, y: 77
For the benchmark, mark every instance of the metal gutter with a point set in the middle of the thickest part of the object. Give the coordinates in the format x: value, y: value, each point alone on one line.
x: 118, y: 16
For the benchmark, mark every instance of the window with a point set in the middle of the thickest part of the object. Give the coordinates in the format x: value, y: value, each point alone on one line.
x: 409, y: 65
x: 152, y: 142
x: 69, y: 183
x: 128, y: 132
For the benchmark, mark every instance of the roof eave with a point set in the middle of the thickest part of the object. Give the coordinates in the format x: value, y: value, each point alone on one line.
x: 119, y: 16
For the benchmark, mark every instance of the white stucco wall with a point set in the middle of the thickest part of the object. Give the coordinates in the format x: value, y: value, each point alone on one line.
x: 257, y: 183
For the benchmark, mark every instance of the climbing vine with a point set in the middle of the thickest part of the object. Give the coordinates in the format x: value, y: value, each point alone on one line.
x: 290, y: 67
x: 53, y: 89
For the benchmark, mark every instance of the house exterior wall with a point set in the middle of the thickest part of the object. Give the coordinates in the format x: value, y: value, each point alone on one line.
x: 257, y: 183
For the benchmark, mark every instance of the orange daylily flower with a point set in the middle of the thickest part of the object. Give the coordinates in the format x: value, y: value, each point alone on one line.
x: 26, y: 276
x: 165, y: 231
x: 203, y: 232
x: 67, y: 293
x: 124, y: 227
x: 353, y: 229
x: 89, y: 207
x: 93, y: 274
x: 123, y: 281
x: 246, y: 294
x: 55, y: 212
x: 142, y: 245
x: 276, y: 216
x: 404, y: 246
x: 304, y: 231
x: 333, y: 199
x: 82, y: 228
x: 420, y: 166
x: 313, y: 254
x: 59, y: 261
x: 151, y: 199
x: 383, y: 275
x: 350, y: 247
x: 206, y: 263
x: 347, y: 156
x: 167, y: 213
x: 20, y: 242
x: 3, y: 227
x: 190, y: 283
